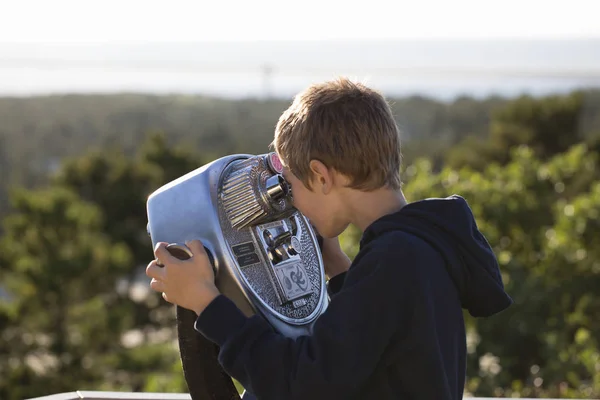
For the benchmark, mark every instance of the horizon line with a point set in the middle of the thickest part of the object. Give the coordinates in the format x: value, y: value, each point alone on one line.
x: 523, y: 38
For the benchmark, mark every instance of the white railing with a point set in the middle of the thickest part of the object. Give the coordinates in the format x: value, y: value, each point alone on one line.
x: 92, y: 395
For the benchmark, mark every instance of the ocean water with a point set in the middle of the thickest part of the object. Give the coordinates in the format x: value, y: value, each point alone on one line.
x: 437, y: 68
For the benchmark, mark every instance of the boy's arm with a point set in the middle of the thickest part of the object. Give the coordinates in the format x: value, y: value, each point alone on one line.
x: 334, y: 284
x: 343, y: 351
x: 336, y: 266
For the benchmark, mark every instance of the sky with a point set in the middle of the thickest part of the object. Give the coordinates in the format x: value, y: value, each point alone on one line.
x: 79, y: 21
x: 56, y: 46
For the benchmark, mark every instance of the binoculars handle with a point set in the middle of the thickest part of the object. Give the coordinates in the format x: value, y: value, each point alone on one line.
x: 179, y: 251
x: 183, y: 252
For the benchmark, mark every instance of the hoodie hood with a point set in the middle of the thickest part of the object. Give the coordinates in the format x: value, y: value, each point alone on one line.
x: 449, y: 226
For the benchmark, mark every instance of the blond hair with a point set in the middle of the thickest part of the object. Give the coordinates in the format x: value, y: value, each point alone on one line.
x: 348, y: 127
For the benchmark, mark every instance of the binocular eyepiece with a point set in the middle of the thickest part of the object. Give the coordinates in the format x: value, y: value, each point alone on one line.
x: 277, y: 187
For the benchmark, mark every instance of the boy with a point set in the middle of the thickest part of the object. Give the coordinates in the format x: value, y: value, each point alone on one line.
x: 394, y: 328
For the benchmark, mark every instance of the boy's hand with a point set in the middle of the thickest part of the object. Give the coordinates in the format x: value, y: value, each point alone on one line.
x: 186, y: 283
x: 334, y: 258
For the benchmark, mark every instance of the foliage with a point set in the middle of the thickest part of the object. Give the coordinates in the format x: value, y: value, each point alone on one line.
x: 65, y: 327
x: 76, y: 306
x: 42, y: 131
x: 73, y: 247
x: 549, y: 126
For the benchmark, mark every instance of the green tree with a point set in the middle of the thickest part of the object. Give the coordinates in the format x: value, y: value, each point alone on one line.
x: 4, y: 178
x: 548, y: 125
x: 61, y: 272
x: 119, y: 186
x: 79, y: 298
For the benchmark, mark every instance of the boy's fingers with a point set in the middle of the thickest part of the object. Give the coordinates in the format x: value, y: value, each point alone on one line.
x: 195, y: 246
x: 153, y: 270
x: 161, y: 253
x: 157, y: 285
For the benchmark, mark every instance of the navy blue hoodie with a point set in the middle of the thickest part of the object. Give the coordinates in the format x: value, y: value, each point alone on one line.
x: 394, y: 328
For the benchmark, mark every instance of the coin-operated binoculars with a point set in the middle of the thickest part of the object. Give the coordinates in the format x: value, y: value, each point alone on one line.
x: 265, y: 254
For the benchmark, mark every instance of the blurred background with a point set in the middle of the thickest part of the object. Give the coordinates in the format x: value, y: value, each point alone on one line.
x: 103, y: 102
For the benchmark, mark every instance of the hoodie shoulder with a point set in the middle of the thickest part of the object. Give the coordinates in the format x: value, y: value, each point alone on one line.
x: 445, y: 229
x: 409, y: 256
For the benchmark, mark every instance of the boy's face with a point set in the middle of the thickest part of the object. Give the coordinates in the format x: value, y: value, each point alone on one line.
x: 324, y: 210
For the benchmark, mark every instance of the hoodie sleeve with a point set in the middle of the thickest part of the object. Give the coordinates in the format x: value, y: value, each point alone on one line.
x: 334, y: 285
x: 347, y: 343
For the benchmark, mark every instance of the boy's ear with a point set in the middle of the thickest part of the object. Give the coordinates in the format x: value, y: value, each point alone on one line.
x: 322, y: 177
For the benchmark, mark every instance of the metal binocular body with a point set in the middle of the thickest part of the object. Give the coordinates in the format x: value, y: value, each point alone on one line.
x: 264, y: 252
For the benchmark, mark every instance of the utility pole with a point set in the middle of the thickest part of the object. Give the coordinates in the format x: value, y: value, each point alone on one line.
x: 267, y: 72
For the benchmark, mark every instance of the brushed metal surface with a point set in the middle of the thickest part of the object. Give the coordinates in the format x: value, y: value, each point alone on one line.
x: 228, y: 204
